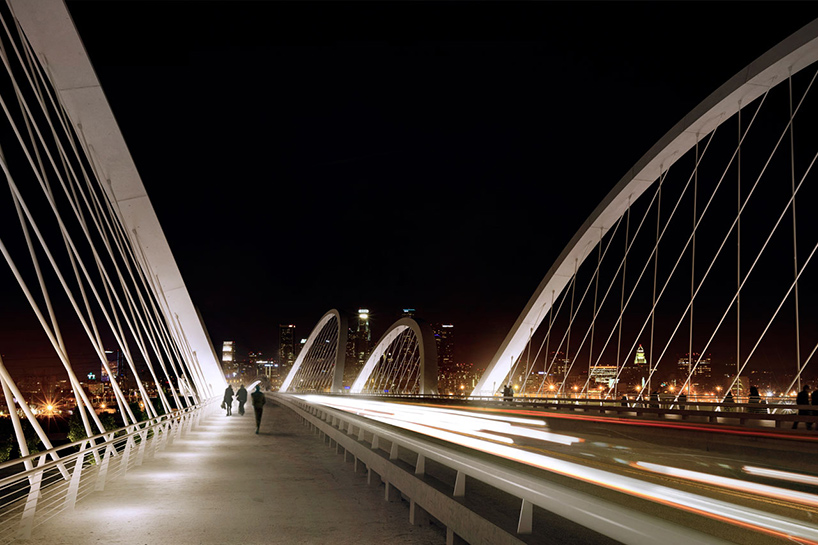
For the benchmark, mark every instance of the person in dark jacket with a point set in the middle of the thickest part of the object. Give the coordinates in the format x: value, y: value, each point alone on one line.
x: 258, y: 405
x: 227, y: 402
x: 803, y: 399
x: 241, y: 397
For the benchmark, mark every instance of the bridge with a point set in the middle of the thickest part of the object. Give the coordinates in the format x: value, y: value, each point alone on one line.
x: 585, y: 427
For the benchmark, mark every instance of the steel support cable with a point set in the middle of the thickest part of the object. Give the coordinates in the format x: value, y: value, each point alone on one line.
x: 392, y: 374
x: 316, y: 359
x: 72, y: 175
x: 147, y: 323
x: 416, y: 366
x: 75, y: 385
x: 394, y: 350
x: 382, y: 371
x: 777, y: 310
x: 563, y: 298
x: 596, y: 293
x: 50, y: 199
x: 758, y: 109
x: 654, y: 255
x: 622, y: 268
x: 693, y: 258
x: 732, y: 226
x: 594, y: 277
x: 621, y: 298
x: 47, y: 300
x: 794, y: 232
x: 141, y: 342
x: 568, y: 331
x: 412, y: 365
x: 35, y: 307
x: 598, y: 309
x: 388, y: 371
x: 329, y: 355
x: 738, y: 242
x: 761, y: 251
x: 547, y: 344
x: 174, y: 328
x: 19, y: 434
x: 54, y: 325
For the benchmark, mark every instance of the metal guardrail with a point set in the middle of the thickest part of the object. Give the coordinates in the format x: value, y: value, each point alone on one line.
x: 365, y: 441
x: 776, y: 412
x: 42, y: 485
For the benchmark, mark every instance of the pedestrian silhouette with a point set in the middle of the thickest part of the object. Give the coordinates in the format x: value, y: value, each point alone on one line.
x: 803, y: 399
x: 258, y: 405
x: 755, y: 401
x: 227, y: 402
x: 241, y: 397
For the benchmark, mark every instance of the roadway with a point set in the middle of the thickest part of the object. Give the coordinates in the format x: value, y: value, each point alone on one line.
x: 740, y: 484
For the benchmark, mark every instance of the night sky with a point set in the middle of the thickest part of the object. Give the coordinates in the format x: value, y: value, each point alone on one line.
x: 303, y: 156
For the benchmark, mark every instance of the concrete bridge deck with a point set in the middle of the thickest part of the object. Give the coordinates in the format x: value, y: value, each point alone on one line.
x: 222, y: 484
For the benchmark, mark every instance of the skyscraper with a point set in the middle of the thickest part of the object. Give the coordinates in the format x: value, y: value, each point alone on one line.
x: 363, y: 337
x: 286, y: 345
x: 229, y: 358
x: 444, y: 339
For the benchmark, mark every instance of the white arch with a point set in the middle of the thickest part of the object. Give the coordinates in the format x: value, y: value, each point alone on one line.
x: 340, y: 351
x: 789, y: 57
x: 427, y: 348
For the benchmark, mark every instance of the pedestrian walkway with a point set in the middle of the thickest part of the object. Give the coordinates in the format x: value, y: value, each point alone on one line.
x: 223, y: 484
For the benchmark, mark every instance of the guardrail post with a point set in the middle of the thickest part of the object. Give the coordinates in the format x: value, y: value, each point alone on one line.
x: 27, y: 520
x: 420, y: 465
x: 126, y: 455
x: 375, y: 445
x: 140, y: 453
x: 524, y: 526
x: 460, y: 485
x: 74, y: 485
x: 103, y: 467
x: 361, y: 434
x: 393, y: 452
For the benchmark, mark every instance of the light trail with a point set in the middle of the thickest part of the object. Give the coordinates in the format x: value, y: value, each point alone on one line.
x: 782, y: 475
x: 734, y: 484
x: 458, y: 429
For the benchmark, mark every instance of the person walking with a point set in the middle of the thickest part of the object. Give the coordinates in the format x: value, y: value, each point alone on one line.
x: 227, y: 402
x: 258, y: 405
x: 803, y: 399
x: 241, y: 397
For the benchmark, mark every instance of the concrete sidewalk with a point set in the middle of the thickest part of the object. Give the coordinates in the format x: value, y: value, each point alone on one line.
x: 224, y: 484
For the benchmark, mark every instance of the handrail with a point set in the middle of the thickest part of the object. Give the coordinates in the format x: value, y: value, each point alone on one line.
x: 31, y: 496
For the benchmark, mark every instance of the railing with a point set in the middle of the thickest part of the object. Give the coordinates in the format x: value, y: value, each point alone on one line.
x: 771, y: 412
x: 39, y: 486
x: 380, y: 449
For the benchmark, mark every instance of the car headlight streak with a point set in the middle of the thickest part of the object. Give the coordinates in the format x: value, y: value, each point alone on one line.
x: 460, y: 429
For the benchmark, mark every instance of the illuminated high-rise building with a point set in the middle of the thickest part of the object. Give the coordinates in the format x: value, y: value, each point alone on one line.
x: 444, y: 339
x: 363, y: 337
x: 286, y: 345
x: 229, y: 365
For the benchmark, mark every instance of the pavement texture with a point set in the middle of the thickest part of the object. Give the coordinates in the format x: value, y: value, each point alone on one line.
x: 223, y: 484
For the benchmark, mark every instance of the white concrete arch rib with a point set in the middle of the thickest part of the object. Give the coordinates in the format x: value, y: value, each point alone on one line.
x: 404, y: 361
x: 320, y: 364
x: 789, y: 57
